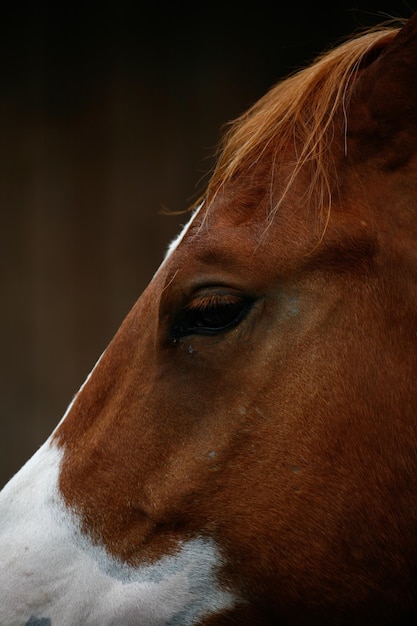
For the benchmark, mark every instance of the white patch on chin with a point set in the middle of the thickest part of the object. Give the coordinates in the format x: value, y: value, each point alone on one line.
x: 49, y: 570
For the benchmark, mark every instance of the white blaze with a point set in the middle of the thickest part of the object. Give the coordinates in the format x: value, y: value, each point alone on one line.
x: 176, y: 242
x: 49, y: 570
x: 51, y: 573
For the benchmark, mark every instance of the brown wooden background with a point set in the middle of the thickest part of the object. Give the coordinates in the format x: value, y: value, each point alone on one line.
x: 108, y: 114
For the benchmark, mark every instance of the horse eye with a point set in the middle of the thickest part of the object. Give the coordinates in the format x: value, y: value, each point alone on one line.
x: 211, y: 314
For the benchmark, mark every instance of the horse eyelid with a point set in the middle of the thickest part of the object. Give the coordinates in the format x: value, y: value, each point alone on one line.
x: 209, y: 301
x: 187, y: 322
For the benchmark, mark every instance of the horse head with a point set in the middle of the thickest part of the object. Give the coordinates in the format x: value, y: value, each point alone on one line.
x: 245, y: 449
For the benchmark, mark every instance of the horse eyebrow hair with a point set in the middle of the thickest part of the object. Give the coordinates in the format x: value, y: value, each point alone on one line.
x: 300, y: 110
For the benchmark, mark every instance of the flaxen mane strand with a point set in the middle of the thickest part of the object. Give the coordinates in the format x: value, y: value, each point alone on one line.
x: 299, y: 112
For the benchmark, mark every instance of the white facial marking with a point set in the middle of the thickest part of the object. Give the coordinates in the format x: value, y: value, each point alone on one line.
x: 52, y: 575
x: 49, y: 570
x: 71, y: 404
x: 176, y: 242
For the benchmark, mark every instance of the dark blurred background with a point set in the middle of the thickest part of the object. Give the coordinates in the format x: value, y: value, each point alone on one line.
x: 109, y: 115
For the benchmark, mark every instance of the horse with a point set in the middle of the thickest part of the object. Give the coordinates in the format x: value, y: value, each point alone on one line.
x: 245, y: 449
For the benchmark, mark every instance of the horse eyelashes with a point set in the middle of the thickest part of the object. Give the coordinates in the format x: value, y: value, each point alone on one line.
x: 211, y: 314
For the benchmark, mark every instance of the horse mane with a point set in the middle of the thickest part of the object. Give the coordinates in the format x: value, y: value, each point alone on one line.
x: 299, y: 113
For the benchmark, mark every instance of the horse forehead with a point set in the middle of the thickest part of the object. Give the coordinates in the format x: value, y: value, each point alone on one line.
x: 258, y: 225
x: 226, y: 247
x: 220, y: 237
